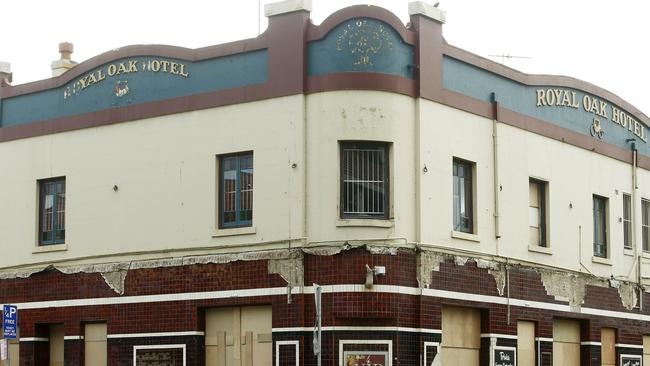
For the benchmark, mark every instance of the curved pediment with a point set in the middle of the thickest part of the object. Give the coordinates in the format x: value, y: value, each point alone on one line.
x: 361, y: 39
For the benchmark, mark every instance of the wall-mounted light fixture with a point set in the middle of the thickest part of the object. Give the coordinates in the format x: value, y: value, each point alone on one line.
x: 372, y: 272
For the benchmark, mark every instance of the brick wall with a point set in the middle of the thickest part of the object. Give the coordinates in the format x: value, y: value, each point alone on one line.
x: 345, y: 310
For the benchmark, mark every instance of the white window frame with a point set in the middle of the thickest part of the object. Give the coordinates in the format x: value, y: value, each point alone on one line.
x: 430, y: 344
x: 279, y: 344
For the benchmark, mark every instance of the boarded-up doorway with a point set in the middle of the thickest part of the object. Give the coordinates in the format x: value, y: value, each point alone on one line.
x: 461, y: 336
x: 566, y: 342
x: 238, y: 336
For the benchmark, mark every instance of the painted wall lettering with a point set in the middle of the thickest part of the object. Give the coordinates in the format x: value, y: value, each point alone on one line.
x: 556, y: 97
x: 125, y: 67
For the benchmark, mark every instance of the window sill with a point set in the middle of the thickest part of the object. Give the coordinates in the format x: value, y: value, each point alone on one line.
x: 600, y: 260
x: 246, y: 230
x: 365, y: 223
x: 539, y: 249
x: 465, y: 236
x: 50, y: 248
x: 629, y: 252
x: 645, y: 254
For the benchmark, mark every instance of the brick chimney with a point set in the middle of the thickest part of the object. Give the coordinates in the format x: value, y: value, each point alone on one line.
x: 5, y: 74
x: 65, y: 63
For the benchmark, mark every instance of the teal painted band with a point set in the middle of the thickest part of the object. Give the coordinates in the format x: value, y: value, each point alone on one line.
x: 569, y: 108
x: 136, y: 80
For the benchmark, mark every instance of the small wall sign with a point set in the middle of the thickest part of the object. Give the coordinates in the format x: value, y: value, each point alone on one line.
x: 505, y: 356
x: 365, y: 358
x: 630, y: 360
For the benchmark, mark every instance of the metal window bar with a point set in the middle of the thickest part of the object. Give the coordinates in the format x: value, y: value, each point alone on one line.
x: 364, y: 181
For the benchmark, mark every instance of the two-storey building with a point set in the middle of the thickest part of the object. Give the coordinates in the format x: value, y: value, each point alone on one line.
x: 161, y: 205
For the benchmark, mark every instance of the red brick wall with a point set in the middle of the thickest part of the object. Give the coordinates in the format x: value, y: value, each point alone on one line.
x: 339, y: 309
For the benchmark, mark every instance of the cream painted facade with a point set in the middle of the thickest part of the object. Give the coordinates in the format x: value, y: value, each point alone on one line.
x: 165, y: 172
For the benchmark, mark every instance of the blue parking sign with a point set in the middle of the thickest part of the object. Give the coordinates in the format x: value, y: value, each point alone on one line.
x: 9, y: 321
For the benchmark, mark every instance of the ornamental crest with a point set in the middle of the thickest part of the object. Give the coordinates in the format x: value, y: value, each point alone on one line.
x: 363, y: 39
x: 596, y: 129
x: 121, y: 88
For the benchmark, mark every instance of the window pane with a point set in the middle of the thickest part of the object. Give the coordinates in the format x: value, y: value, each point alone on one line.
x: 627, y: 221
x: 600, y: 227
x: 52, y: 212
x: 645, y: 216
x: 462, y: 197
x: 533, y: 217
x: 363, y: 172
x: 229, y: 184
x: 236, y: 190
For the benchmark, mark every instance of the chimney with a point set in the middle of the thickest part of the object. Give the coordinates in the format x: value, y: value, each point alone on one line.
x: 5, y: 74
x: 65, y: 63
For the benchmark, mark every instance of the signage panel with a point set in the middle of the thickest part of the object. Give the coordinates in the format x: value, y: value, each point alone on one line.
x: 365, y: 358
x: 630, y: 360
x: 505, y: 356
x: 9, y: 321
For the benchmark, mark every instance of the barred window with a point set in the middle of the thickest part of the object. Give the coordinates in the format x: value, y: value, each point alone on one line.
x: 364, y: 180
x: 52, y: 211
x: 236, y: 190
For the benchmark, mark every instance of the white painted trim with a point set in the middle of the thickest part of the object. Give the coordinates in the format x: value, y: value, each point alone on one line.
x: 278, y: 344
x: 623, y: 345
x: 590, y: 343
x: 34, y: 339
x: 282, y: 291
x: 430, y: 344
x: 160, y: 346
x: 543, y: 339
x: 388, y: 342
x: 160, y: 334
x: 495, y: 335
x: 359, y: 329
x: 73, y: 337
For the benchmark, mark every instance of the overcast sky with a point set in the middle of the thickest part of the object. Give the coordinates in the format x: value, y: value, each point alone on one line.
x: 602, y: 42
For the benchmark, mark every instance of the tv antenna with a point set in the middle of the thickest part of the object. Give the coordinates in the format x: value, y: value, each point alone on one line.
x: 508, y: 56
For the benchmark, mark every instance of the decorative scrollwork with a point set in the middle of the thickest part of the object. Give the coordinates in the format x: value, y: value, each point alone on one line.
x: 363, y: 38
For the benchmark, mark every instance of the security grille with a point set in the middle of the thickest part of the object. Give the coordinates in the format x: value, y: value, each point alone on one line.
x: 364, y: 180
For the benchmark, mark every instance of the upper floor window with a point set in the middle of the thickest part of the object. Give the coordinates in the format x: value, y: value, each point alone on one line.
x: 236, y: 190
x: 645, y: 224
x: 627, y: 221
x: 537, y: 212
x: 463, y: 172
x: 600, y: 226
x: 52, y: 211
x: 364, y: 180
